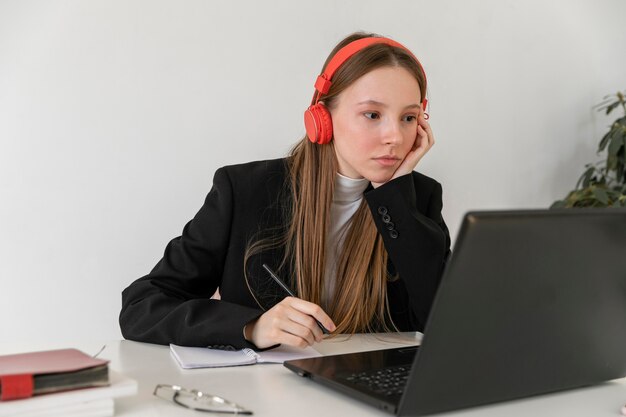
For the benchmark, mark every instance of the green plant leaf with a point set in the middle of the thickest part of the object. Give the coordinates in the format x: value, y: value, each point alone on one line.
x: 604, y: 141
x: 559, y: 204
x: 601, y: 195
x: 586, y: 177
x: 611, y: 106
x: 617, y: 142
x: 620, y: 168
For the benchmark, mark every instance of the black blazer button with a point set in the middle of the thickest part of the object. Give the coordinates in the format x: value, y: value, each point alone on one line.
x: 393, y: 234
x: 390, y: 226
x: 386, y: 218
x: 382, y: 210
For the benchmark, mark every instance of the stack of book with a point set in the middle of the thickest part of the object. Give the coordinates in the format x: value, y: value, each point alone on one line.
x: 65, y: 382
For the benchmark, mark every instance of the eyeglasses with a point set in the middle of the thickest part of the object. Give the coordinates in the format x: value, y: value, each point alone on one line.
x: 197, y: 400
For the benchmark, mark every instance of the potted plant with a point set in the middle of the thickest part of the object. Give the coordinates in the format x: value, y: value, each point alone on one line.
x: 603, y: 184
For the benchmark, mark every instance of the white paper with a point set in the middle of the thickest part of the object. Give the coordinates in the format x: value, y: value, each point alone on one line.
x: 199, y: 357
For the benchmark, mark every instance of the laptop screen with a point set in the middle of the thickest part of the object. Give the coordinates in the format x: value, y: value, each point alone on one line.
x: 530, y: 302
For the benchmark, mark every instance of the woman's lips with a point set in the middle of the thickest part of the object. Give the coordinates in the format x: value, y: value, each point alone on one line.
x: 387, y: 161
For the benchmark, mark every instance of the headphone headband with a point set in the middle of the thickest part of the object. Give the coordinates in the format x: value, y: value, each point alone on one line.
x: 323, y: 82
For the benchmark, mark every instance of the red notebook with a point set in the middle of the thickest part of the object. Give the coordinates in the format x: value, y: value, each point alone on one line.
x: 23, y: 375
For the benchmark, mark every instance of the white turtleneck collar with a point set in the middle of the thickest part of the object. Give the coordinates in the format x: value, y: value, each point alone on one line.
x: 348, y: 190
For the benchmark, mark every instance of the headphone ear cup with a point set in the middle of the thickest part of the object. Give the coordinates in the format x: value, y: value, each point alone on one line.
x: 318, y: 124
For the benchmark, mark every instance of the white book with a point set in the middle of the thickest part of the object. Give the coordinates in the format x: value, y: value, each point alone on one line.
x: 199, y: 357
x: 98, y: 401
x: 95, y: 408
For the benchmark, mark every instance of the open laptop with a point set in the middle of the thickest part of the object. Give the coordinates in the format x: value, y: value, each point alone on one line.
x: 530, y: 302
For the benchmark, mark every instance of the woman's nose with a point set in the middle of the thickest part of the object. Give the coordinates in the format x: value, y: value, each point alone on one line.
x: 393, y: 134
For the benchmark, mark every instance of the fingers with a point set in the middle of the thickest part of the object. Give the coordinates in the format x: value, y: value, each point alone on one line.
x: 290, y: 322
x: 424, y: 134
x: 312, y: 310
x: 423, y: 142
x: 302, y: 326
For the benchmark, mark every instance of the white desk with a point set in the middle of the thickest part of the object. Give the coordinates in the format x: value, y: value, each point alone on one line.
x: 272, y: 390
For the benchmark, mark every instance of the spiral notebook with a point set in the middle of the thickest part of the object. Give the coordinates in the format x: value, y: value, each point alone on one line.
x: 199, y: 357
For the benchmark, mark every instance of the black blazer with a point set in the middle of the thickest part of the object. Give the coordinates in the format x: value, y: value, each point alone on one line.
x: 172, y: 304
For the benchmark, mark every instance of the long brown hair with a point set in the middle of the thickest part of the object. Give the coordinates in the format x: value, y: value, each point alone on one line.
x: 359, y: 303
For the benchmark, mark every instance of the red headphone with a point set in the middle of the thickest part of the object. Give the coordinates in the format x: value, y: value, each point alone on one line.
x: 317, y: 120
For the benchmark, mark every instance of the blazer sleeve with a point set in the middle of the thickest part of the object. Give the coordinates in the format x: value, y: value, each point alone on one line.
x: 172, y: 304
x: 407, y: 213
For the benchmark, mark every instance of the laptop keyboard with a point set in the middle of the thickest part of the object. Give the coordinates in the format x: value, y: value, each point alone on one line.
x: 387, y: 381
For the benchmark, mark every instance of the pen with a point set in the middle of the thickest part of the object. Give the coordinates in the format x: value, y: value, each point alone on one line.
x: 288, y: 291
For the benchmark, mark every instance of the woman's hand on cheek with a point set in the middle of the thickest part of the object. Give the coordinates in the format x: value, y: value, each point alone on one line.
x: 290, y: 322
x: 423, y: 142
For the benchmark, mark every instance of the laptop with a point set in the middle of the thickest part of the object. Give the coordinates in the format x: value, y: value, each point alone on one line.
x: 530, y: 302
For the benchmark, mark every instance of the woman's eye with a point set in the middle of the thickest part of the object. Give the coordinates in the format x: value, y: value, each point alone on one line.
x: 372, y: 115
x: 410, y: 118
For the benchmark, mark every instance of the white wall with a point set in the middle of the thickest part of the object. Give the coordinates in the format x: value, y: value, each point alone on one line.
x: 115, y: 114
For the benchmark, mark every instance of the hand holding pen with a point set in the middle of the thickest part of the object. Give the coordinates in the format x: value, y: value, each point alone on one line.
x: 290, y: 293
x: 292, y: 322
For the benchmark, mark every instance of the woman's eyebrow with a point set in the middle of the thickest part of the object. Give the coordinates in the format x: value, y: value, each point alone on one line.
x: 380, y: 104
x: 374, y: 102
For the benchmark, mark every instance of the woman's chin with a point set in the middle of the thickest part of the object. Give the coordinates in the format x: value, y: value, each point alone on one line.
x: 378, y: 178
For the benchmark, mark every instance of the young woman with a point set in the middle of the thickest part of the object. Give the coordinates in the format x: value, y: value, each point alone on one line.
x: 343, y: 220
